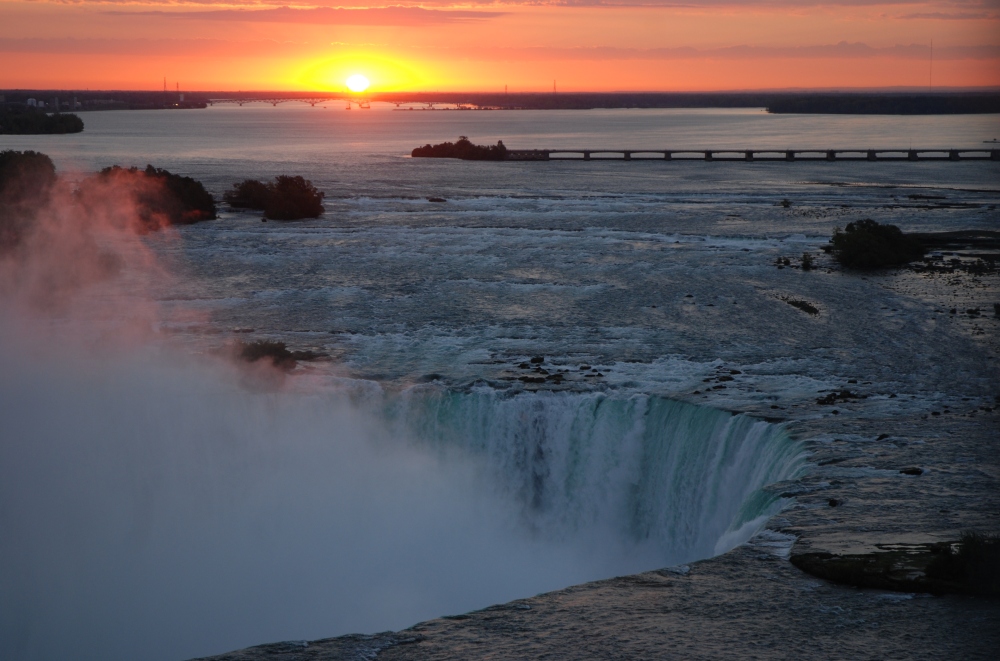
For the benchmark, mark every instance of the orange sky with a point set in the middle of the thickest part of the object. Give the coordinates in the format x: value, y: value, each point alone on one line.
x: 598, y: 45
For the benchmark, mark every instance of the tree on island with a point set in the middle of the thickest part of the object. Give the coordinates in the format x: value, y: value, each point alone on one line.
x: 287, y: 198
x: 866, y: 244
x: 161, y: 198
x: 26, y: 178
x: 462, y: 149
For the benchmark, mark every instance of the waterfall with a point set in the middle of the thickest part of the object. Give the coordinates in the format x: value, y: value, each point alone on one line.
x: 683, y: 479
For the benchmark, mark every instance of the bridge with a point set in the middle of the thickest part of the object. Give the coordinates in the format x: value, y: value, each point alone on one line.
x: 354, y: 100
x: 362, y: 103
x: 753, y: 155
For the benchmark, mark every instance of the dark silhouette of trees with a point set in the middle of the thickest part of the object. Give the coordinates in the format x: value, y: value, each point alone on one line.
x: 26, y: 177
x: 462, y: 149
x: 287, y: 198
x: 866, y: 244
x: 28, y: 121
x: 248, y: 194
x: 293, y: 198
x: 886, y: 104
x: 161, y: 197
x: 974, y: 565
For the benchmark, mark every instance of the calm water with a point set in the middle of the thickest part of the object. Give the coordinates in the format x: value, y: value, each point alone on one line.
x: 189, y: 510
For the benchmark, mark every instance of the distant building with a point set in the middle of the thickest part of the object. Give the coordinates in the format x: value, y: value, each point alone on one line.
x: 32, y: 103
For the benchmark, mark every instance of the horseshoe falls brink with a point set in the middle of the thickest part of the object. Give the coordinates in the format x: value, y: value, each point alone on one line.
x: 153, y: 509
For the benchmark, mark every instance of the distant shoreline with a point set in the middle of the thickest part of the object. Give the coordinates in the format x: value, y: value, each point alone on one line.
x: 839, y: 103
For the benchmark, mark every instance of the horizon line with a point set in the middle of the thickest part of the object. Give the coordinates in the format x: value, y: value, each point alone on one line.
x: 771, y: 90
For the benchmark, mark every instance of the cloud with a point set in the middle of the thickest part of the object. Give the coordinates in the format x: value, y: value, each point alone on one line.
x: 842, y: 50
x: 262, y: 48
x: 156, y: 47
x: 388, y: 16
x: 967, y: 5
x: 943, y: 16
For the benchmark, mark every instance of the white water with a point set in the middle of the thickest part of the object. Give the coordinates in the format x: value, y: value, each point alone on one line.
x: 153, y: 508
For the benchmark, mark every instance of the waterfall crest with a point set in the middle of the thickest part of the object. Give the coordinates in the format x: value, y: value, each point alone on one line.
x: 682, y: 479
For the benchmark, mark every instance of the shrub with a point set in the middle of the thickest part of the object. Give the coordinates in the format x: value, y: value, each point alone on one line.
x: 807, y: 262
x: 865, y: 244
x: 26, y: 177
x: 288, y: 198
x: 974, y: 565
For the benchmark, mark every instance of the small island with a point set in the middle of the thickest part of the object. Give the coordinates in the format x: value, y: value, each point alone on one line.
x: 286, y: 198
x: 462, y: 149
x: 161, y: 198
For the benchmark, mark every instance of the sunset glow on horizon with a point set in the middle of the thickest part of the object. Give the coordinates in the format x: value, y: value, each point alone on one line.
x: 484, y: 46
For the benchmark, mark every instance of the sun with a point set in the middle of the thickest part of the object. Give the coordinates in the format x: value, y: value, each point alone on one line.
x: 357, y: 83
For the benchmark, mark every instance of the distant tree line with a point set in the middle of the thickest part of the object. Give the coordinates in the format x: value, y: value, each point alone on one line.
x: 28, y: 121
x: 463, y: 149
x: 811, y: 102
x: 887, y: 104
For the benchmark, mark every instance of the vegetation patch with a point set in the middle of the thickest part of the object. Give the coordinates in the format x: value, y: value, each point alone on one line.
x: 974, y: 562
x: 26, y: 179
x: 866, y: 244
x: 161, y: 197
x: 462, y: 149
x: 28, y: 121
x: 286, y: 198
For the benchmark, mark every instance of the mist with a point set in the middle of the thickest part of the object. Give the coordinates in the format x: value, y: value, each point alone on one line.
x: 161, y: 512
x: 159, y: 501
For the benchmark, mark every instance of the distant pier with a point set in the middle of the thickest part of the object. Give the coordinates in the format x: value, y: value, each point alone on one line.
x: 753, y: 155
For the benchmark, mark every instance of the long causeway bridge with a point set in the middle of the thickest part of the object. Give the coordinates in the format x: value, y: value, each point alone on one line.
x: 766, y: 155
